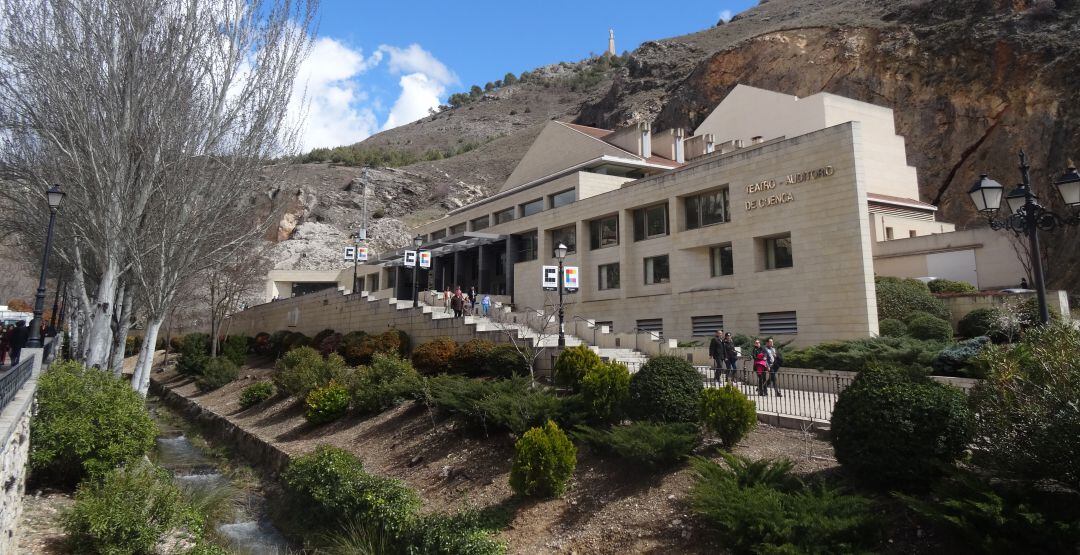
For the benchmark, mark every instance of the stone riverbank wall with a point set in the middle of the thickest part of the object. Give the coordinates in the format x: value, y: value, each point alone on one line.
x: 15, y: 449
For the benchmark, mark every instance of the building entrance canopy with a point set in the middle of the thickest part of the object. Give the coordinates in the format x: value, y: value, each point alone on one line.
x: 465, y: 260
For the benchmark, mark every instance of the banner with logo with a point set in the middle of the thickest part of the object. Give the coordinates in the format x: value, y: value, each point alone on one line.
x: 425, y: 259
x: 410, y: 259
x: 570, y: 278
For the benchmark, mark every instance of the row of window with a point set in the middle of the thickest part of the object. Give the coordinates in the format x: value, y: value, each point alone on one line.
x: 769, y: 323
x: 522, y: 210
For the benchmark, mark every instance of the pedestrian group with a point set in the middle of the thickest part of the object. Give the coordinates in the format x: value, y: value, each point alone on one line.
x: 766, y: 361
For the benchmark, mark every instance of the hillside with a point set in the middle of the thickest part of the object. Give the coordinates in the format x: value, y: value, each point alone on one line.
x: 970, y: 81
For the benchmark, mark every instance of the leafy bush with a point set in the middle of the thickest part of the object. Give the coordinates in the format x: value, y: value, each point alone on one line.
x: 356, y: 348
x: 216, y: 373
x: 504, y: 361
x: 958, y: 359
x: 983, y: 322
x: 277, y: 343
x: 605, y: 388
x: 318, y: 338
x: 728, y: 413
x: 951, y: 286
x: 891, y: 327
x: 329, y: 487
x: 929, y: 328
x: 386, y: 381
x: 897, y: 297
x: 329, y: 344
x: 666, y: 389
x: 511, y: 404
x: 261, y: 345
x: 235, y: 348
x: 255, y: 394
x: 194, y: 354
x: 304, y: 369
x: 652, y: 446
x: 460, y: 534
x: 294, y: 340
x: 129, y: 511
x: 893, y: 428
x: 572, y: 365
x: 1028, y: 423
x: 392, y: 342
x: 757, y: 507
x: 326, y: 403
x: 472, y: 357
x: 855, y: 355
x: 435, y: 356
x: 544, y: 461
x: 87, y: 423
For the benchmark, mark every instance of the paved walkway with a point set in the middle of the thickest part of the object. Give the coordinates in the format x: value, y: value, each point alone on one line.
x: 811, y: 405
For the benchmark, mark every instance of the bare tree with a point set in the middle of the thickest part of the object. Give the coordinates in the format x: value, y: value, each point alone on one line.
x: 540, y: 321
x: 230, y: 285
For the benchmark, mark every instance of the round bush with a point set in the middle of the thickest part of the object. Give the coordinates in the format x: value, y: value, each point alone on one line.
x: 392, y: 342
x: 87, y: 423
x: 304, y: 369
x: 929, y: 328
x: 504, y: 361
x: 891, y: 327
x: 605, y: 389
x: 544, y: 461
x: 327, y: 403
x: 319, y: 337
x: 893, y: 428
x: 262, y: 346
x: 982, y: 322
x: 235, y: 348
x: 728, y: 414
x: 329, y: 344
x: 194, y: 354
x: 216, y: 373
x: 572, y: 365
x: 356, y: 348
x: 666, y: 389
x: 471, y: 358
x: 387, y: 380
x: 129, y: 511
x: 897, y: 297
x: 435, y: 356
x: 951, y: 286
x: 255, y: 394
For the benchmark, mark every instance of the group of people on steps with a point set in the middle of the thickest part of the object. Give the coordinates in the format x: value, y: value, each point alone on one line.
x: 467, y: 303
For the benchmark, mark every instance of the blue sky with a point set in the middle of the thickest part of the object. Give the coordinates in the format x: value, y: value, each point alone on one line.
x: 377, y: 65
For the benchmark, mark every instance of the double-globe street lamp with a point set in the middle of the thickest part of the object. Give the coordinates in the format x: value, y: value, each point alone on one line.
x: 1028, y: 216
x: 55, y: 196
x: 560, y: 255
x: 418, y: 241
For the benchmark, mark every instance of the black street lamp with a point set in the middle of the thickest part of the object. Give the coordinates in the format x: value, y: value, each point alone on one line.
x: 1028, y: 216
x: 560, y: 254
x: 418, y: 241
x: 54, y: 196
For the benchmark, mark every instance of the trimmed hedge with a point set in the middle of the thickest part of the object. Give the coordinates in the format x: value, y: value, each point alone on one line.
x: 895, y: 429
x: 544, y: 461
x: 666, y: 389
x: 435, y: 356
x: 728, y: 413
x: 605, y: 389
x: 951, y: 286
x: 898, y: 297
x: 891, y: 327
x: 929, y: 328
x: 572, y: 365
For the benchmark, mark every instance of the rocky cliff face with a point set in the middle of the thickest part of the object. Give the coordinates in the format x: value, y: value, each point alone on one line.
x: 970, y: 81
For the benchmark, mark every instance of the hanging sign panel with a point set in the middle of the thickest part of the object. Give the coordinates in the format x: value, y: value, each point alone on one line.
x: 361, y: 254
x: 410, y: 259
x: 571, y: 278
x: 425, y: 259
x: 350, y: 253
x: 549, y: 278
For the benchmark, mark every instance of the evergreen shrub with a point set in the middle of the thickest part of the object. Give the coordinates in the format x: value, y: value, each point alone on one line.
x: 544, y: 461
x: 511, y: 404
x: 472, y: 358
x: 194, y: 354
x: 330, y: 344
x: 644, y: 444
x: 304, y: 369
x: 235, y: 348
x: 897, y: 297
x: 261, y: 345
x: 216, y: 373
x: 896, y: 429
x: 318, y: 338
x: 856, y: 354
x: 326, y: 403
x: 356, y: 348
x: 504, y: 361
x: 460, y: 534
x: 983, y: 322
x: 255, y: 394
x: 929, y: 328
x: 605, y: 389
x: 572, y: 365
x: 891, y: 327
x: 435, y: 356
x: 951, y: 286
x: 959, y: 359
x: 666, y: 389
x: 132, y: 344
x: 87, y: 423
x: 386, y: 381
x: 727, y: 413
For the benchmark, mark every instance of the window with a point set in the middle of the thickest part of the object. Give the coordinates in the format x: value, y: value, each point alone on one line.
x: 720, y: 262
x: 609, y: 276
x: 456, y: 229
x: 707, y: 209
x: 563, y: 198
x: 604, y: 232
x: 778, y: 252
x: 777, y: 323
x: 480, y: 223
x: 504, y: 216
x: 706, y: 326
x: 654, y: 326
x: 527, y: 244
x: 391, y: 278
x: 911, y: 233
x: 888, y: 234
x: 532, y: 207
x: 436, y: 235
x: 565, y: 235
x: 372, y: 282
x: 600, y: 326
x: 656, y: 270
x: 650, y: 222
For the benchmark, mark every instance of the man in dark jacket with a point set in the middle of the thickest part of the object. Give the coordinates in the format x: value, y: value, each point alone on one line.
x: 718, y: 352
x: 18, y: 341
x: 732, y: 355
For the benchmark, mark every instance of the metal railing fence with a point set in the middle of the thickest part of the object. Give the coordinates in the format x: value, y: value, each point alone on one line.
x: 802, y: 394
x: 13, y: 379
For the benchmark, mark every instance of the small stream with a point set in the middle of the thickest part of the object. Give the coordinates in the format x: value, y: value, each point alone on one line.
x: 249, y: 531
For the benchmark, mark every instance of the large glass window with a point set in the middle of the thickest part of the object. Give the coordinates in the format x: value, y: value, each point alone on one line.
x: 373, y: 282
x: 532, y: 207
x: 656, y: 270
x: 650, y: 222
x: 608, y: 275
x: 778, y: 252
x: 503, y: 216
x: 565, y: 235
x: 527, y: 244
x: 456, y: 229
x: 720, y: 261
x: 604, y: 232
x: 707, y: 209
x: 480, y: 223
x: 563, y: 198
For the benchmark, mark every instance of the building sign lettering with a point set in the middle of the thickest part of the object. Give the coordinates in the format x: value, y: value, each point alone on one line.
x: 776, y: 198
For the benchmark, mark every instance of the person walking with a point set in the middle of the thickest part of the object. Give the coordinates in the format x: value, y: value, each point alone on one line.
x: 718, y: 353
x: 5, y: 343
x: 486, y: 305
x: 761, y: 365
x: 472, y: 300
x: 457, y: 303
x: 775, y: 360
x: 447, y: 296
x: 18, y: 341
x: 732, y: 356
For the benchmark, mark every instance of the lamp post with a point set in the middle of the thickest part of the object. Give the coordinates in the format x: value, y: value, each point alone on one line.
x: 54, y: 196
x: 560, y: 254
x: 1028, y: 216
x: 418, y: 241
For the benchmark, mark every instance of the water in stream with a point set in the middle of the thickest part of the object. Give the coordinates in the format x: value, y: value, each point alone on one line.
x: 249, y: 532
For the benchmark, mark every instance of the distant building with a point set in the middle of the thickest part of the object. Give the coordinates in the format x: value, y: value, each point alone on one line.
x: 611, y: 42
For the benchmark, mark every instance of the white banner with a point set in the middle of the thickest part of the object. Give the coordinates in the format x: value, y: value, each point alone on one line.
x: 549, y: 278
x: 571, y: 280
x: 350, y: 253
x: 425, y: 259
x: 410, y: 259
x: 361, y: 254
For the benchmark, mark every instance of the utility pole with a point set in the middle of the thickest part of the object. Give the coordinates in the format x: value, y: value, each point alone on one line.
x: 361, y: 236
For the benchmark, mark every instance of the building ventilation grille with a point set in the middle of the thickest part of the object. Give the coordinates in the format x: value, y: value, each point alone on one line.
x: 655, y: 325
x: 705, y: 326
x: 901, y: 212
x: 779, y: 323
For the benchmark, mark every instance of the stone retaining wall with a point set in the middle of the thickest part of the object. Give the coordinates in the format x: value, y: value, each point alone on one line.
x: 14, y: 453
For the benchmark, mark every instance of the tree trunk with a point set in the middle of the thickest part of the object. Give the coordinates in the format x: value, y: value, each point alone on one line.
x: 99, y: 336
x: 140, y: 378
x: 123, y: 325
x: 213, y: 325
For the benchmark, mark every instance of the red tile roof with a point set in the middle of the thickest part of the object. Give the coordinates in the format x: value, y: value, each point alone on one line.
x: 595, y: 132
x: 887, y: 199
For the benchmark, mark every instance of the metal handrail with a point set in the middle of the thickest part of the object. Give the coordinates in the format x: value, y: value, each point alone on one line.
x: 590, y: 322
x: 656, y: 335
x: 12, y: 380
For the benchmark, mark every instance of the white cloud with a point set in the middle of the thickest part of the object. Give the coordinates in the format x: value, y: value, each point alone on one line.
x: 725, y: 15
x: 423, y: 83
x: 413, y: 59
